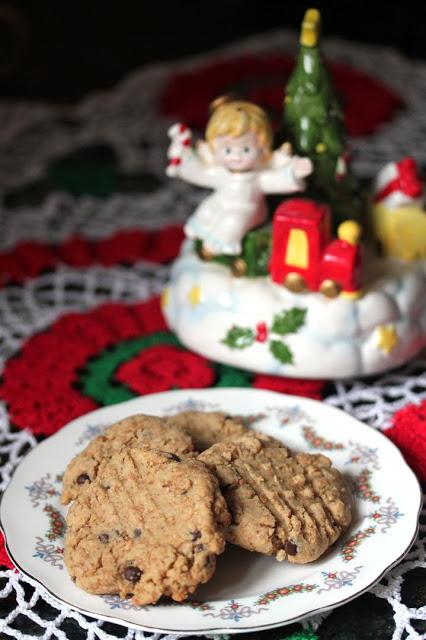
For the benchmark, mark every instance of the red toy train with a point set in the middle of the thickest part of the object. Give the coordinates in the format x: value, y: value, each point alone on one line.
x: 305, y: 256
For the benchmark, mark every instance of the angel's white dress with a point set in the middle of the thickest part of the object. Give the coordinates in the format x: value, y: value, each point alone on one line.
x: 238, y: 203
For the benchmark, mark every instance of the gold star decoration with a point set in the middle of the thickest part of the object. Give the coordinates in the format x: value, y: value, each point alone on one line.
x: 386, y: 338
x: 165, y: 296
x: 194, y: 296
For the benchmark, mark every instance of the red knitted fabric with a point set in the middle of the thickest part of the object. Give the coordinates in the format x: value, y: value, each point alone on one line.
x: 39, y: 383
x: 261, y: 79
x: 294, y: 386
x: 29, y: 259
x: 5, y: 561
x: 409, y: 434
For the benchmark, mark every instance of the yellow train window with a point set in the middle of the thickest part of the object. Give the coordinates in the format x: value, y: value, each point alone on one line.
x: 297, y: 249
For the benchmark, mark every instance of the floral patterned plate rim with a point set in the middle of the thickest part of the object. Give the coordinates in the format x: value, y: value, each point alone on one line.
x: 249, y: 592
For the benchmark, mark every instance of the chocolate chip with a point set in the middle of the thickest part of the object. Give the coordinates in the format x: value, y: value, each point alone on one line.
x: 198, y: 548
x: 137, y: 533
x: 195, y: 534
x: 290, y: 548
x: 103, y: 537
x: 171, y: 456
x: 82, y: 478
x: 106, y: 487
x: 132, y: 574
x: 225, y: 486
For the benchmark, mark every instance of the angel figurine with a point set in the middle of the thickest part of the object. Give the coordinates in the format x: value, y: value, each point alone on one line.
x: 236, y: 160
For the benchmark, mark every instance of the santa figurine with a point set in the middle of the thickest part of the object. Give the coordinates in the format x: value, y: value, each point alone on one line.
x: 398, y: 183
x: 236, y: 160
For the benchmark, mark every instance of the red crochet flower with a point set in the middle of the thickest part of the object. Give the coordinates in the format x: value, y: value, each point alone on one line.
x: 262, y: 79
x: 165, y: 367
x: 409, y: 434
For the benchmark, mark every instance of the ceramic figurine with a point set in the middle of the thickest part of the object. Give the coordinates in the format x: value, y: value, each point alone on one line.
x: 301, y: 306
x: 314, y: 124
x: 237, y: 162
x: 304, y: 256
x: 398, y: 213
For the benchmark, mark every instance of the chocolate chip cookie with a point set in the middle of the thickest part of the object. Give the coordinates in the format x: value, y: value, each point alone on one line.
x: 290, y: 506
x: 206, y: 429
x: 150, y: 525
x: 133, y: 431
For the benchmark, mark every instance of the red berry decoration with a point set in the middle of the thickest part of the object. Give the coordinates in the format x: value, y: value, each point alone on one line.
x: 261, y: 332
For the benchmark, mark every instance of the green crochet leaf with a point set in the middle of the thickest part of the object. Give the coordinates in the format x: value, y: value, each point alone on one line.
x: 98, y: 382
x: 301, y: 635
x: 228, y: 376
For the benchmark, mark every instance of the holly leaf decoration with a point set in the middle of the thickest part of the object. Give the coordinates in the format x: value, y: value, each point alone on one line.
x: 288, y: 321
x: 239, y: 337
x: 281, y: 351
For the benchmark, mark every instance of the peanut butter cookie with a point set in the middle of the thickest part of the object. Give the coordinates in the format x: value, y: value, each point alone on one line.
x: 133, y: 431
x: 290, y: 506
x: 149, y: 525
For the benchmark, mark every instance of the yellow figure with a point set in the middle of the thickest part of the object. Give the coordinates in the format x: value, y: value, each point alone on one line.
x: 402, y: 231
x: 398, y: 214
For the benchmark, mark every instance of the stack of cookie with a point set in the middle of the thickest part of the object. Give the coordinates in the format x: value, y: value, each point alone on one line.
x: 155, y: 500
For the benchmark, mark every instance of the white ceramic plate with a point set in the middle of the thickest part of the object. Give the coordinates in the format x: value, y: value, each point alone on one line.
x: 248, y: 592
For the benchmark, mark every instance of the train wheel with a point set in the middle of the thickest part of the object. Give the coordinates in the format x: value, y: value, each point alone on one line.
x: 330, y: 288
x: 239, y: 267
x: 295, y: 282
x: 206, y: 254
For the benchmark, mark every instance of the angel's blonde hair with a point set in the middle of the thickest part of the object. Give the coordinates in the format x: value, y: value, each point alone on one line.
x: 236, y: 118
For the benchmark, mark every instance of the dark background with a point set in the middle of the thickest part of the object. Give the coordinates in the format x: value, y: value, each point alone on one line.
x: 60, y: 50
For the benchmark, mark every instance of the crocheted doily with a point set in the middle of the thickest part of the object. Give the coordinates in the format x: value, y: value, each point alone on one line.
x: 81, y: 278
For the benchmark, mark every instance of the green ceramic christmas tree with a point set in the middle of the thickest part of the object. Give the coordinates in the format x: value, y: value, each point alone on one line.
x: 314, y: 124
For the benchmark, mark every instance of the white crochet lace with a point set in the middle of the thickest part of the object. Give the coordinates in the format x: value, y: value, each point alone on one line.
x: 122, y: 117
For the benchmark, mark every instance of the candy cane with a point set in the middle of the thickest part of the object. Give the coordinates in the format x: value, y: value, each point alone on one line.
x: 180, y: 135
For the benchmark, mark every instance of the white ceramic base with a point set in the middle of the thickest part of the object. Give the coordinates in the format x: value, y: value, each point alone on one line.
x: 338, y: 338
